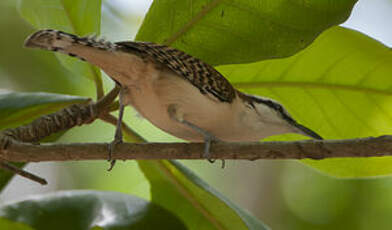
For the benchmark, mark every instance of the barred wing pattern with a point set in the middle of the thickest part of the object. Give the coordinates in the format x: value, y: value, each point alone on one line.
x: 200, y: 74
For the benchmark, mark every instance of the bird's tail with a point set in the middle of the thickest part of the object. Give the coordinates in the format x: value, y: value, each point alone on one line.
x: 66, y: 43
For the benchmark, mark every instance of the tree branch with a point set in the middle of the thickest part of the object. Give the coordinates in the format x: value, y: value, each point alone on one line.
x: 13, y: 146
x: 315, y: 149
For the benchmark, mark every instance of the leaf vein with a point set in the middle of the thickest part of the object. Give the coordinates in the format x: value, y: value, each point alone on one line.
x: 192, y: 22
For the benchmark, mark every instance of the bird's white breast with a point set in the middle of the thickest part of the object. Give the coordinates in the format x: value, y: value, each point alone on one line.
x: 151, y: 89
x: 154, y: 93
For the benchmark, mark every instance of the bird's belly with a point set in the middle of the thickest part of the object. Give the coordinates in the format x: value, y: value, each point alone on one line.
x: 152, y: 108
x: 152, y: 99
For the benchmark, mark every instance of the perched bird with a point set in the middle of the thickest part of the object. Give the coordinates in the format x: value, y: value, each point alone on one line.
x: 176, y: 92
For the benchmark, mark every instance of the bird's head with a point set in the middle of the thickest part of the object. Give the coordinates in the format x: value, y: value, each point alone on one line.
x: 271, y: 115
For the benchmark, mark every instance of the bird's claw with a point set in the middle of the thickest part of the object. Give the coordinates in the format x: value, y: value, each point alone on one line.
x: 207, y: 147
x: 118, y: 137
x: 112, y: 147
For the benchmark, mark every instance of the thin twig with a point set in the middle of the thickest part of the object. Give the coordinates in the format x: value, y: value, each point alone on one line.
x: 21, y: 172
x: 314, y: 149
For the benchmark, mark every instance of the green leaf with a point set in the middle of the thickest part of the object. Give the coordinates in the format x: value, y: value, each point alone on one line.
x: 11, y: 225
x: 196, y: 203
x: 340, y: 86
x: 240, y: 31
x: 21, y: 108
x: 27, y: 69
x: 82, y: 17
x: 82, y: 210
x: 175, y: 188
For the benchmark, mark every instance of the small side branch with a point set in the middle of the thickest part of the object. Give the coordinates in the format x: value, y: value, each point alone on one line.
x: 67, y: 118
x: 23, y: 173
x: 314, y: 149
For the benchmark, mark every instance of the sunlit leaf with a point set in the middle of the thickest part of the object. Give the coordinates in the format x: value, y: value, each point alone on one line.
x: 12, y: 225
x: 340, y: 86
x: 83, y: 210
x: 28, y: 70
x: 81, y: 17
x: 334, y: 196
x: 240, y: 31
x: 196, y: 203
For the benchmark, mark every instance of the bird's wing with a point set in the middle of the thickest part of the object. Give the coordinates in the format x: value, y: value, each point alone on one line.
x: 200, y: 74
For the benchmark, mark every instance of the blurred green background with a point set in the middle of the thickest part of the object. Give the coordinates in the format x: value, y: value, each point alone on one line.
x: 283, y: 194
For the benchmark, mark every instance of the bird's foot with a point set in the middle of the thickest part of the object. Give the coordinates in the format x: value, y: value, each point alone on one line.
x: 176, y: 114
x: 118, y: 138
x: 208, y: 140
x: 112, y: 147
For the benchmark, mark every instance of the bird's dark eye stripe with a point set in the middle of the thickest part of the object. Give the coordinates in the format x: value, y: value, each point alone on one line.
x: 275, y: 106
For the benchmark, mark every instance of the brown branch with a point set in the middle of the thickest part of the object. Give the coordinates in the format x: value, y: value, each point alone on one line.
x: 363, y: 147
x: 67, y: 118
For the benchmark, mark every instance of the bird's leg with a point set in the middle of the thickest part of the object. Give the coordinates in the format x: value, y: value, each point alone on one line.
x: 176, y: 115
x: 208, y: 138
x: 118, y: 137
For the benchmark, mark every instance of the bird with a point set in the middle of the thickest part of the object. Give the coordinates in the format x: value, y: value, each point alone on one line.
x: 176, y: 92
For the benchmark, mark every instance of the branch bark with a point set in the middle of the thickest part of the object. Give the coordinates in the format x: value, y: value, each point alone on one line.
x: 314, y: 149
